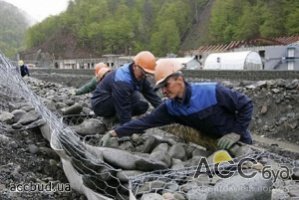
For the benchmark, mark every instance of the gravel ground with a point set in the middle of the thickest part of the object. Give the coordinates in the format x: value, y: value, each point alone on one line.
x: 27, y: 160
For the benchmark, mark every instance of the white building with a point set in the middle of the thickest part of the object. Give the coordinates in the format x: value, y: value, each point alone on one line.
x: 244, y: 60
x: 190, y: 63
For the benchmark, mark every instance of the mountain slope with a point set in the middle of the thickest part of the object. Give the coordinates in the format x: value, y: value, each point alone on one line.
x: 198, y: 33
x: 100, y: 27
x: 13, y: 23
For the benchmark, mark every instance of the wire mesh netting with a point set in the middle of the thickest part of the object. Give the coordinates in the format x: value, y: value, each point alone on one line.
x: 75, y: 119
x: 85, y: 171
x: 180, y: 182
x: 88, y: 168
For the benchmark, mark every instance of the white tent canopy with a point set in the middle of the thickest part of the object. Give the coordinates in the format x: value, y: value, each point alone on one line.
x: 244, y: 60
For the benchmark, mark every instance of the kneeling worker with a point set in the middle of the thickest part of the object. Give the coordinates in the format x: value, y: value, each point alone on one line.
x: 118, y: 94
x: 100, y: 70
x: 210, y: 108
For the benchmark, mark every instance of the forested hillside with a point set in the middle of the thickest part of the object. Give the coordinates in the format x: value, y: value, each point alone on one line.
x: 13, y: 23
x: 233, y: 20
x: 128, y: 26
x: 122, y: 26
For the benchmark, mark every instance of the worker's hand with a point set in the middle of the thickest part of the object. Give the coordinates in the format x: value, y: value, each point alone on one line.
x: 105, y: 139
x: 228, y: 140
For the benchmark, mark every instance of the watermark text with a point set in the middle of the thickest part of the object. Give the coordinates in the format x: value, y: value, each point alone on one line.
x: 40, y: 187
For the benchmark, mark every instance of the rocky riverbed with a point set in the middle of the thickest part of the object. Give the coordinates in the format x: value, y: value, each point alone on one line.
x: 27, y: 157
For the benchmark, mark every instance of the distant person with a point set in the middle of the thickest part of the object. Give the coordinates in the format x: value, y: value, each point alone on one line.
x: 56, y: 65
x: 117, y: 96
x: 23, y: 68
x: 200, y: 60
x: 215, y: 111
x: 100, y: 71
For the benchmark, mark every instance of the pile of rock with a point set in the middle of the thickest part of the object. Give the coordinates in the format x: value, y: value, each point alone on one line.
x: 27, y: 160
x: 108, y: 170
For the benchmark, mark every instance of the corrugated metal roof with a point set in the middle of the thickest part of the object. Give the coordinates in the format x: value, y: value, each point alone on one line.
x: 288, y: 40
x: 235, y: 44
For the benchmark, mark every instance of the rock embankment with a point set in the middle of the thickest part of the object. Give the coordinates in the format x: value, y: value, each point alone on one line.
x: 26, y: 152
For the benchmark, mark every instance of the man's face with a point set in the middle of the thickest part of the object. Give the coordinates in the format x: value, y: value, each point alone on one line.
x: 172, y: 87
x: 139, y: 73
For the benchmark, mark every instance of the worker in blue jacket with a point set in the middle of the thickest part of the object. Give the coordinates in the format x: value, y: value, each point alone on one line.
x: 119, y: 92
x: 23, y: 68
x: 210, y: 108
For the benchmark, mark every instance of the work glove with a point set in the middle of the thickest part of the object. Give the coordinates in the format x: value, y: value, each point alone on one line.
x: 73, y: 92
x: 105, y: 139
x: 228, y: 140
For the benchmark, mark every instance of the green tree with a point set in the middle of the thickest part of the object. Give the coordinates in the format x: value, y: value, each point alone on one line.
x: 128, y: 26
x: 219, y: 21
x: 13, y: 25
x: 248, y: 24
x: 292, y: 22
x: 291, y: 11
x: 273, y: 20
x: 166, y: 39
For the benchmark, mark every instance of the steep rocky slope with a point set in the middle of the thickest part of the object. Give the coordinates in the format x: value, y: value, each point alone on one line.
x: 13, y: 23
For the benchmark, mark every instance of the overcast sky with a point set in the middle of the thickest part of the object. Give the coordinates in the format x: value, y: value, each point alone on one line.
x: 40, y: 9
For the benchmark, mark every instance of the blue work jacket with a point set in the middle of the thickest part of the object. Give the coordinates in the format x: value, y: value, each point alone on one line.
x: 210, y: 108
x: 120, y: 85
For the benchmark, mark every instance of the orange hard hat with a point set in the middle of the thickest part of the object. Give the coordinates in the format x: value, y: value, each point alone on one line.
x: 99, y: 66
x: 165, y: 68
x: 102, y: 72
x: 146, y: 60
